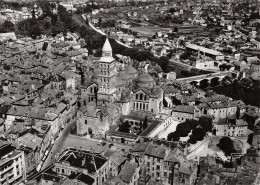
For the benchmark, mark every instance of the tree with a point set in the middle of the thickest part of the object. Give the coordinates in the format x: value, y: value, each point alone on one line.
x: 58, y: 27
x: 245, y: 83
x: 183, y: 129
x: 83, y: 31
x: 197, y: 135
x: 250, y: 138
x: 34, y: 29
x: 206, y: 123
x: 141, y: 125
x: 145, y: 124
x: 192, y: 123
x: 124, y: 127
x: 214, y: 82
x: 99, y: 22
x: 204, y: 83
x: 226, y: 145
x: 185, y: 55
x: 7, y: 26
x: 164, y: 62
x: 33, y: 13
x: 172, y: 10
x: 173, y: 136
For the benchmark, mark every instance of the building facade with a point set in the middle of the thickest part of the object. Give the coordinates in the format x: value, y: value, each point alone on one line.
x: 12, y: 165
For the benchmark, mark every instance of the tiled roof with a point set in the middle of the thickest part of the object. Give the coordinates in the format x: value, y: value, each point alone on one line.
x: 114, y: 181
x: 117, y: 157
x: 150, y: 128
x: 153, y: 93
x: 155, y: 150
x: 83, y: 159
x: 184, y: 109
x: 127, y: 172
x: 241, y: 122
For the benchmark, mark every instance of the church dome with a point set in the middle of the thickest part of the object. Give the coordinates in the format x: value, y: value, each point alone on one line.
x: 145, y: 80
x: 131, y: 70
x: 123, y: 75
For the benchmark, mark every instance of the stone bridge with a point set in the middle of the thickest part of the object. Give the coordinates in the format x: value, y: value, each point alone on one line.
x: 207, y: 77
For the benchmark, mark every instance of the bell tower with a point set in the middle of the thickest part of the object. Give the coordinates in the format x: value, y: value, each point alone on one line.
x: 106, y: 75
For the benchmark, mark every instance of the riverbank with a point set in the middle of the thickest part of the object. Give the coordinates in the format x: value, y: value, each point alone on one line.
x: 248, y: 96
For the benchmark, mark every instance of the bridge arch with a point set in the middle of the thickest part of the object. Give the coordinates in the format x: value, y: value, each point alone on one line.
x: 199, y: 78
x: 204, y: 83
x: 194, y: 83
x: 215, y: 81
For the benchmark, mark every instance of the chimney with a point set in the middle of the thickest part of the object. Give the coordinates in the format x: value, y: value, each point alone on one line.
x: 34, y: 139
x: 83, y: 161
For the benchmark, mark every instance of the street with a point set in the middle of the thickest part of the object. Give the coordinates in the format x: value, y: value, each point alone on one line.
x: 58, y: 143
x: 66, y: 139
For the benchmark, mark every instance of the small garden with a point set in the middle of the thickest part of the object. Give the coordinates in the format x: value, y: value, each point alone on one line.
x: 129, y: 127
x: 197, y: 128
x: 226, y: 145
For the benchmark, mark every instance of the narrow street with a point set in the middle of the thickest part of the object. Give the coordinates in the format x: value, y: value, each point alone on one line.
x: 57, y: 145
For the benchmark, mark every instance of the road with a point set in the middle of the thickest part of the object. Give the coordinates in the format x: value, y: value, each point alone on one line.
x: 57, y: 145
x: 79, y: 19
x: 65, y: 140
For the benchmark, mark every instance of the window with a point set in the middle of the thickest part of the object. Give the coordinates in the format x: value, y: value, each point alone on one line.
x: 86, y: 122
x: 62, y: 171
x: 84, y: 102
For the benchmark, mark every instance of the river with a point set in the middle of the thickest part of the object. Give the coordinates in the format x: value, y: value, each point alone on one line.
x: 249, y: 97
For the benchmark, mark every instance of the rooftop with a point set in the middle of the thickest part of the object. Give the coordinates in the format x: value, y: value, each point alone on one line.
x: 83, y: 159
x: 203, y: 49
x: 128, y: 171
x: 107, y: 47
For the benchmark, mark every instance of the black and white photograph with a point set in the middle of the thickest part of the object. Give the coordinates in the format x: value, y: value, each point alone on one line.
x: 129, y: 92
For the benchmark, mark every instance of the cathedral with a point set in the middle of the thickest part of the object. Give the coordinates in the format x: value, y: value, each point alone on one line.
x: 114, y: 89
x: 98, y: 98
